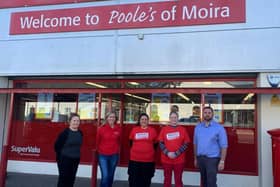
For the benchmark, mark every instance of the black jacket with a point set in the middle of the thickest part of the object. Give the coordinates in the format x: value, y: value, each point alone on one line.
x: 60, y: 141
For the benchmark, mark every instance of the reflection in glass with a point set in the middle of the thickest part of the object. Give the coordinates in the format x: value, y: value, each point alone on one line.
x: 110, y: 102
x: 63, y: 106
x: 215, y: 101
x: 134, y: 105
x: 239, y: 110
x: 186, y: 104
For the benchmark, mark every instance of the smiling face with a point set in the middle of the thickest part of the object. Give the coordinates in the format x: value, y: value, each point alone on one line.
x: 74, y: 123
x: 144, y: 121
x: 173, y: 118
x: 111, y: 119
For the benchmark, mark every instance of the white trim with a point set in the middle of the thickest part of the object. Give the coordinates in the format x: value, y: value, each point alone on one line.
x: 189, y: 178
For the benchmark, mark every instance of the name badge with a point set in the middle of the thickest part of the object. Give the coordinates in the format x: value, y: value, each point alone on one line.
x: 142, y: 135
x: 173, y: 135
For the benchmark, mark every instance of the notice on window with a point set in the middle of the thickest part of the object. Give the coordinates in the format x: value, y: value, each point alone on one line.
x: 87, y: 107
x: 44, y: 106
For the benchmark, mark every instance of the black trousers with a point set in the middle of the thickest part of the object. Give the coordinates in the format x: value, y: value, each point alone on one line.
x: 67, y: 168
x: 208, y: 168
x: 140, y: 173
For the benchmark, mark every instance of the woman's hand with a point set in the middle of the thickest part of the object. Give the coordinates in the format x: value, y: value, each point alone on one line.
x: 171, y: 155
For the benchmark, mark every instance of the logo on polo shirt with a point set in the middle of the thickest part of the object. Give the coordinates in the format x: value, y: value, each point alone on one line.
x: 116, y: 133
x: 172, y: 136
x: 142, y: 135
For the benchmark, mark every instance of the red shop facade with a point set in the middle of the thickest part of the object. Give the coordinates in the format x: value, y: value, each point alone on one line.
x: 41, y: 113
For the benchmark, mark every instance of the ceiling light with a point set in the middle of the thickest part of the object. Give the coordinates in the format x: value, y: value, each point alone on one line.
x: 138, y: 97
x: 183, y: 96
x: 207, y: 83
x: 134, y: 83
x: 97, y: 85
x: 248, y: 96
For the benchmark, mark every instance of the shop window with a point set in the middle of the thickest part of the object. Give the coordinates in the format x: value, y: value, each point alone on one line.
x: 189, y: 107
x: 135, y: 84
x: 134, y: 105
x: 63, y: 106
x: 55, y: 107
x: 159, y: 105
x: 25, y: 105
x: 239, y: 110
x: 237, y: 113
x: 38, y: 118
x: 69, y: 84
x: 234, y: 110
x: 88, y: 106
x: 190, y: 84
x: 110, y: 102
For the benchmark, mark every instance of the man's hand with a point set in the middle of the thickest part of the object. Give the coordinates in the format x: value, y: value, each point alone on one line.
x: 221, y: 165
x: 195, y: 163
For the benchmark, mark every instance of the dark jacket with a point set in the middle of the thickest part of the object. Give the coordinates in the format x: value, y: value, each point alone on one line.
x: 60, y: 141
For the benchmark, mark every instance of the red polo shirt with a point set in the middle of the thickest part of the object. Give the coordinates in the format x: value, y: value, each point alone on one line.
x: 108, y: 139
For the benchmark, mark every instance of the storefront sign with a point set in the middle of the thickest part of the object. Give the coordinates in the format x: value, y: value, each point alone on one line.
x: 34, y: 140
x: 143, y: 15
x: 25, y: 150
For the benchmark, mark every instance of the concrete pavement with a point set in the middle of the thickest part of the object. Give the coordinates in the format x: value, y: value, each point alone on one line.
x: 33, y: 180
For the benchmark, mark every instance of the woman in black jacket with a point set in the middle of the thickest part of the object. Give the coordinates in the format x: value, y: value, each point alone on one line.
x: 68, y: 148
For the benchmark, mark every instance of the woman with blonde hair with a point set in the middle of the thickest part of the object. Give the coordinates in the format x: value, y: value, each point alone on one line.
x: 173, y: 142
x: 108, y: 145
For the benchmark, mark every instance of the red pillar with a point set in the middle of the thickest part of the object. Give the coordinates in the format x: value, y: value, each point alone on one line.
x: 4, y: 154
x: 94, y: 169
x: 3, y: 166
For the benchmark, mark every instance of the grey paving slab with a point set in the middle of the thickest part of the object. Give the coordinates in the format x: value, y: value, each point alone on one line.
x: 33, y: 180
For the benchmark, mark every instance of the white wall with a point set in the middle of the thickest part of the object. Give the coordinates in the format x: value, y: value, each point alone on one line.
x: 241, y: 47
x: 268, y: 119
x: 3, y: 111
x: 189, y: 178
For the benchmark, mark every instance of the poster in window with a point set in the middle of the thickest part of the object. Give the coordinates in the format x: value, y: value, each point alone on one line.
x: 215, y: 101
x: 44, y: 106
x: 160, y: 107
x: 87, y: 106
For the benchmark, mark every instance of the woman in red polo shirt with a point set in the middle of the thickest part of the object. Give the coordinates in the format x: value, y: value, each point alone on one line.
x: 108, y: 144
x: 141, y: 165
x: 173, y: 142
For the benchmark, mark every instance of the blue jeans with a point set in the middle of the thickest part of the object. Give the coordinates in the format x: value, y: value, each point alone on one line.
x: 108, y: 164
